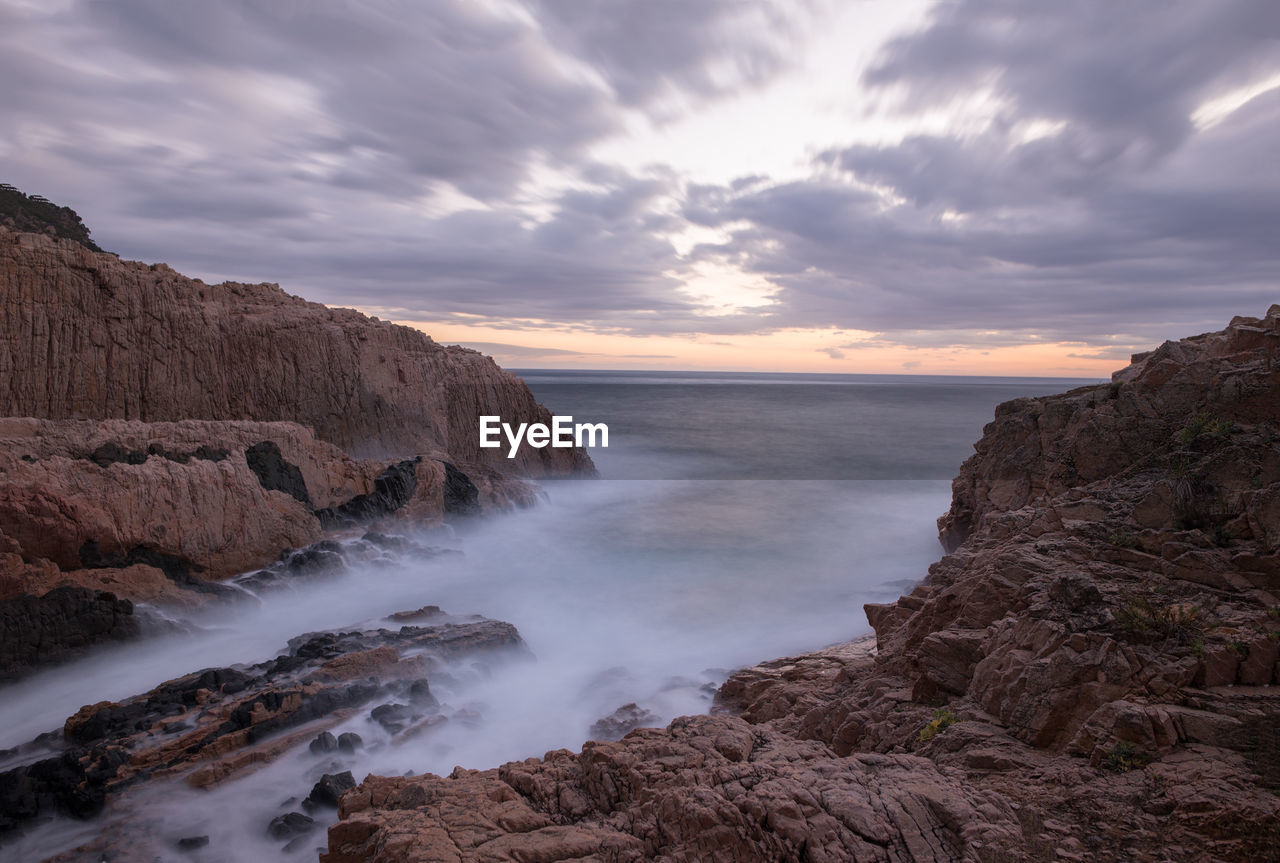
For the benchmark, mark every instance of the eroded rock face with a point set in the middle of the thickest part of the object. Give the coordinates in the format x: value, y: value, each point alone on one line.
x: 1090, y: 673
x: 162, y: 513
x: 703, y: 789
x: 86, y: 335
x: 1036, y: 449
x: 129, y: 506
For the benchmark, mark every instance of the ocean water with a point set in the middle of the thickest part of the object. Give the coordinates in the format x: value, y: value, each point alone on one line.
x: 738, y: 518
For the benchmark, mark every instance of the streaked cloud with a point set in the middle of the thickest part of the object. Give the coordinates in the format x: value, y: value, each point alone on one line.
x: 963, y: 176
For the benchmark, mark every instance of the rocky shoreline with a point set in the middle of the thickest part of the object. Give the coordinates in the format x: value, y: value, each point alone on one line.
x: 128, y: 470
x: 1089, y: 673
x: 170, y: 450
x: 218, y: 724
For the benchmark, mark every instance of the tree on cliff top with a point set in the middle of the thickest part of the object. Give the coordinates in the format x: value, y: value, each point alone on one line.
x: 38, y: 215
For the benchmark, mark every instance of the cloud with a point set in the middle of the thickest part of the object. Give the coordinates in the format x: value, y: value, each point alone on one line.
x: 520, y: 353
x: 1116, y: 354
x: 834, y: 353
x: 649, y: 48
x: 429, y: 158
x: 1089, y: 208
x: 524, y: 352
x: 438, y: 160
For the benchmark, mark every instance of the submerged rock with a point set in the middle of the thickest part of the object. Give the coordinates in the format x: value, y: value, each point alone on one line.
x: 626, y: 718
x: 324, y: 742
x: 290, y: 825
x: 331, y: 787
x: 61, y: 624
x: 212, y: 725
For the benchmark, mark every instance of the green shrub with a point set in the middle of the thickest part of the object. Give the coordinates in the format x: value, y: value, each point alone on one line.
x: 942, y: 719
x: 1124, y: 756
x: 1199, y: 425
x: 1123, y: 539
x: 1144, y: 618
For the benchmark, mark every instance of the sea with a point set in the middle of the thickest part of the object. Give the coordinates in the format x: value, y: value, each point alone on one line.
x: 738, y: 517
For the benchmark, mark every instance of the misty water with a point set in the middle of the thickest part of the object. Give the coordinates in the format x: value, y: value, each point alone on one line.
x: 738, y: 518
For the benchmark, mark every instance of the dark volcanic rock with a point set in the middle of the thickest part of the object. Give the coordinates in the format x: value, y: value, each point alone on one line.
x: 289, y: 825
x: 73, y: 783
x: 330, y: 787
x: 275, y: 473
x: 324, y: 742
x: 392, y: 490
x: 393, y: 717
x: 209, y: 725
x: 461, y: 497
x: 60, y: 624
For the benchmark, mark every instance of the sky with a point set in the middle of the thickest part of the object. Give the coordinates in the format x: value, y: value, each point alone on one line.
x: 959, y: 187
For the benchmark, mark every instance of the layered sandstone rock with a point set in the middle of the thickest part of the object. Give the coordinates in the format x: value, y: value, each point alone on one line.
x: 1090, y: 674
x: 127, y: 505
x: 85, y: 335
x: 162, y: 433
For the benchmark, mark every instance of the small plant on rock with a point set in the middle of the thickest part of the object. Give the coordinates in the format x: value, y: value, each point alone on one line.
x: 1198, y: 425
x: 1123, y: 539
x: 1221, y: 428
x: 942, y: 719
x: 1143, y: 618
x: 1124, y: 756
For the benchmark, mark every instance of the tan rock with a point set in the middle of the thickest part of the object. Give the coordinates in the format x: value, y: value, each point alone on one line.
x: 703, y: 789
x: 87, y: 335
x: 81, y: 498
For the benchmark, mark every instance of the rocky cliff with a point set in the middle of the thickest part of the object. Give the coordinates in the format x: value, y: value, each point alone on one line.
x: 85, y: 335
x: 1089, y: 673
x: 158, y: 434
